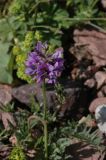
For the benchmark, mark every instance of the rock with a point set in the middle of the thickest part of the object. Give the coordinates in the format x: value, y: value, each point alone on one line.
x: 97, y: 102
x: 5, y: 98
x: 100, y: 94
x: 5, y: 94
x: 103, y: 2
x: 75, y: 97
x: 100, y: 115
x: 25, y: 93
x: 100, y: 78
x: 4, y: 151
x: 90, y: 83
x: 82, y: 151
x: 104, y: 90
x: 7, y: 118
x: 90, y: 44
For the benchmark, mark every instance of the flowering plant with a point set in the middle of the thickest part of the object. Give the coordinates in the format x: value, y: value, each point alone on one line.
x: 44, y: 67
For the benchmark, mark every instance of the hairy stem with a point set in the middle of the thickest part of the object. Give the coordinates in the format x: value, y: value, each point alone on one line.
x: 45, y: 119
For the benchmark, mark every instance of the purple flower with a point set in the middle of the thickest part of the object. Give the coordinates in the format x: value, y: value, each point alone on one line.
x: 41, y: 66
x: 58, y: 54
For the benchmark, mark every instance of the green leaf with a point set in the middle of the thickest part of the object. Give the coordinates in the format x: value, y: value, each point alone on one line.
x: 6, y: 32
x: 5, y: 76
x: 62, y: 18
x: 4, y: 57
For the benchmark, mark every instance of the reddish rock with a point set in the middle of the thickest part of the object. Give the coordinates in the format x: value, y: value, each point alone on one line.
x: 92, y: 45
x: 100, y: 78
x: 90, y: 83
x: 5, y: 94
x: 96, y: 102
x: 82, y: 151
x: 6, y: 119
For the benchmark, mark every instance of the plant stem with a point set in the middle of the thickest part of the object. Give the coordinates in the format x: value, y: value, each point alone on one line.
x: 45, y: 119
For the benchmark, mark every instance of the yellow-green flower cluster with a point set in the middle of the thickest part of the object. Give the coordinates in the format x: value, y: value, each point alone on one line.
x: 17, y: 154
x: 21, y: 50
x: 38, y: 36
x: 20, y: 60
x: 16, y: 50
x: 28, y: 43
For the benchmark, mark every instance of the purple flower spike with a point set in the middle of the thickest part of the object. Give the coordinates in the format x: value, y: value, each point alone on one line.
x: 58, y: 54
x: 42, y: 67
x: 39, y: 47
